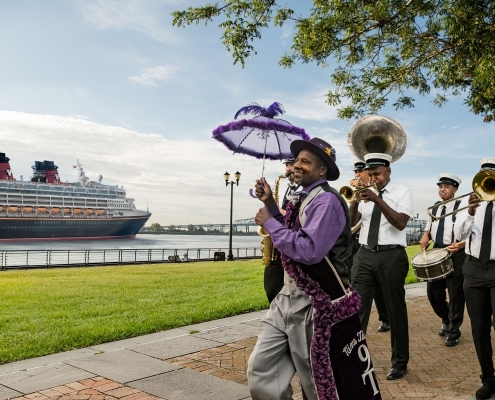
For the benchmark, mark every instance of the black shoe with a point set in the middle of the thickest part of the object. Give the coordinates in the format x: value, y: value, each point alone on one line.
x: 450, y: 341
x: 384, y: 327
x: 441, y: 332
x: 486, y: 391
x: 396, y: 373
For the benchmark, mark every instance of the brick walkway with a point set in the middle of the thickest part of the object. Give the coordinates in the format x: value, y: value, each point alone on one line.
x: 90, y: 389
x: 435, y: 371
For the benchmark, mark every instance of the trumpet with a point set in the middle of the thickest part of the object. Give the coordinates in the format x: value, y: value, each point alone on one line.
x: 483, y: 187
x: 350, y: 194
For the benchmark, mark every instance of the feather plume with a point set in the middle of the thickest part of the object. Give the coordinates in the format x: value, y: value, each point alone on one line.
x: 251, y: 108
x: 275, y: 109
x: 256, y: 109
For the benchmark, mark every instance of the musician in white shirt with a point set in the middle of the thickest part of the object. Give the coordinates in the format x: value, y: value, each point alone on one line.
x: 382, y: 257
x: 476, y: 225
x: 442, y: 232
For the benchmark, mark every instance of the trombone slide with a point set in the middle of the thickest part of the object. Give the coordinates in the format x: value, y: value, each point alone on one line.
x: 483, y: 187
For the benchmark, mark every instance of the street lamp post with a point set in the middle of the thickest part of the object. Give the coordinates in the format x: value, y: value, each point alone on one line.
x: 226, y: 176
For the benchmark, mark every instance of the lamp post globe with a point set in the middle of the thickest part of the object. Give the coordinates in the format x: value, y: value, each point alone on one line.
x: 226, y: 176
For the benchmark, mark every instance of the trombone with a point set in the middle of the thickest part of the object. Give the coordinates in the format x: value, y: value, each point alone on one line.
x: 483, y: 187
x: 350, y: 194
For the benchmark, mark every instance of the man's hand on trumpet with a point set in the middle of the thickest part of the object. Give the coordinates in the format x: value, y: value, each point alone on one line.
x: 369, y: 195
x: 355, y: 182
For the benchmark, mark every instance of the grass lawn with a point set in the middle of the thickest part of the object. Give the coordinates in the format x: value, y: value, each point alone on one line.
x: 411, y: 252
x: 47, y: 311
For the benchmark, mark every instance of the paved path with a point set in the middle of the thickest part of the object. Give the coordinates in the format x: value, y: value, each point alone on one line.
x: 208, y: 361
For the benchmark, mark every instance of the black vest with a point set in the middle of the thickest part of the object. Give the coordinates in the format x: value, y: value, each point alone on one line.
x: 338, y: 255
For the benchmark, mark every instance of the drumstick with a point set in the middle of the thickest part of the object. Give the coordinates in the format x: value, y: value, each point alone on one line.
x: 424, y: 252
x: 434, y: 251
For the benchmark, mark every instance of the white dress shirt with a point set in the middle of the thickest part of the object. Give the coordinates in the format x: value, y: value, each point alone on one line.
x: 470, y: 228
x: 289, y: 190
x: 399, y: 198
x: 432, y: 226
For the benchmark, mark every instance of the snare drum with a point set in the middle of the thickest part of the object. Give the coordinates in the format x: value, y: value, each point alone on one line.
x: 436, y: 265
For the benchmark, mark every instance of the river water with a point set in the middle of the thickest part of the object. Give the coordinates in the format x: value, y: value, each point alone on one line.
x: 142, y: 241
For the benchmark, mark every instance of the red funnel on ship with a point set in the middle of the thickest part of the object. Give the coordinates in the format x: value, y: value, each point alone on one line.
x: 5, y: 171
x: 51, y: 173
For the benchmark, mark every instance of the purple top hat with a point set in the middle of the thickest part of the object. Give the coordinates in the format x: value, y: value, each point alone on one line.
x: 324, y: 150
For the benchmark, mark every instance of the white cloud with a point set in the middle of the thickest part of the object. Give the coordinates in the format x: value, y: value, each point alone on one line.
x: 174, y: 177
x: 306, y: 106
x: 152, y: 76
x: 144, y: 16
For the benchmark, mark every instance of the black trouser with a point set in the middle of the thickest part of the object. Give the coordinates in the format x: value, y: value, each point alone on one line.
x: 388, y: 268
x: 381, y: 307
x: 451, y: 313
x: 378, y: 297
x: 479, y: 289
x: 273, y: 281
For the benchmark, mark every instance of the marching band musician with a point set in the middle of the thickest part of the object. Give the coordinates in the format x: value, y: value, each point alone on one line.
x: 442, y: 232
x: 291, y: 186
x: 476, y: 225
x: 382, y: 256
x: 361, y: 178
x: 273, y: 279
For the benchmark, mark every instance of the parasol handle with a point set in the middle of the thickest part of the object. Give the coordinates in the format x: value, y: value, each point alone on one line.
x: 251, y: 191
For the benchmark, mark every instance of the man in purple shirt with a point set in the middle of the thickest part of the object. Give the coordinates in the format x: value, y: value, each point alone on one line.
x: 314, y: 239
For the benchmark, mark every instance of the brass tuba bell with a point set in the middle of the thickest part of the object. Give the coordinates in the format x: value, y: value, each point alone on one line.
x: 374, y: 134
x: 377, y: 134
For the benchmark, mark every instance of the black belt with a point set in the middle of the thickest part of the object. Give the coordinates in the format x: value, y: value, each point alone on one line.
x: 381, y: 247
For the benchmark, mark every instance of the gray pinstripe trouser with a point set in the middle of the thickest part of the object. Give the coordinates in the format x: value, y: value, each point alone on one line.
x: 282, y: 349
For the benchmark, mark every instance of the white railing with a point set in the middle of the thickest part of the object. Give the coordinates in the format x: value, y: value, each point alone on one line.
x: 18, y: 259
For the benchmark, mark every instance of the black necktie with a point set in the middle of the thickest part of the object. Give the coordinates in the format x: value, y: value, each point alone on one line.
x: 440, y: 230
x: 486, y: 235
x: 374, y: 225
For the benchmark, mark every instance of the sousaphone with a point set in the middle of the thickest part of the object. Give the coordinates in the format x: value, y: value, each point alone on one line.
x: 376, y: 134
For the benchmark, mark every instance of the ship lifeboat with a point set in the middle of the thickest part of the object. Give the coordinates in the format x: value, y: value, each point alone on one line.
x: 1, y: 208
x: 100, y: 211
x: 54, y: 210
x: 13, y: 209
x: 27, y: 209
x: 66, y: 210
x: 41, y: 210
x: 89, y: 211
x: 77, y: 211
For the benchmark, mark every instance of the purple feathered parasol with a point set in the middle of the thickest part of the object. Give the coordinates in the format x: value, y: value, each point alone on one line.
x: 262, y: 136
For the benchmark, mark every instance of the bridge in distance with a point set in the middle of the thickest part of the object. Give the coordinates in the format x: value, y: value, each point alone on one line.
x: 248, y: 225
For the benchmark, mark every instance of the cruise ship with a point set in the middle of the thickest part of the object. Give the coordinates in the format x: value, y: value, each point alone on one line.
x: 45, y: 208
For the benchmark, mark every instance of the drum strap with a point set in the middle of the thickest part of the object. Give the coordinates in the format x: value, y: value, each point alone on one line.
x: 434, y: 209
x: 456, y: 206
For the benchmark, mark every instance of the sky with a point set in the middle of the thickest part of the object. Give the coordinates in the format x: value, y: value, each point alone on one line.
x: 115, y: 85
